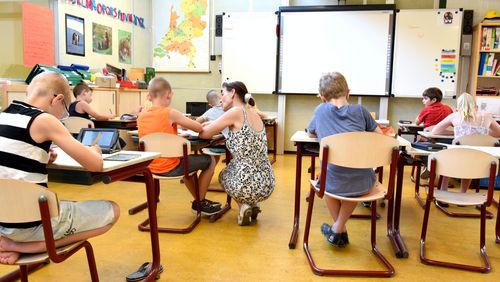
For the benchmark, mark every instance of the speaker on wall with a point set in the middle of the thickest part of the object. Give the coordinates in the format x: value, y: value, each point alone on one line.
x: 466, y: 46
x: 218, y: 35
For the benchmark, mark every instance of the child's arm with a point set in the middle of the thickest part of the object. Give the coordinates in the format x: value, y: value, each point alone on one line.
x: 200, y: 119
x: 216, y: 126
x: 441, y: 127
x: 46, y: 127
x: 178, y: 118
x: 494, y: 129
x: 86, y: 108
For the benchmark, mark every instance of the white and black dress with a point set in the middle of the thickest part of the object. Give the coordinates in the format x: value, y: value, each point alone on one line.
x: 249, y: 177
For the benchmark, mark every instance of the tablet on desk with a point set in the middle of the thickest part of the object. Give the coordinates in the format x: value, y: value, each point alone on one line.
x: 106, y: 138
x: 122, y: 157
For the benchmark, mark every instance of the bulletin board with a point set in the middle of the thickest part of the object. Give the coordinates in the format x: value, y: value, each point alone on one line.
x: 249, y: 50
x: 426, y: 51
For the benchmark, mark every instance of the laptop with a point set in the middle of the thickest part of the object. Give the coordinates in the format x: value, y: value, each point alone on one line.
x: 106, y: 138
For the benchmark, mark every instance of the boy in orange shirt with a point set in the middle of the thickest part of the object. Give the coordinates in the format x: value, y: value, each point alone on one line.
x: 161, y: 118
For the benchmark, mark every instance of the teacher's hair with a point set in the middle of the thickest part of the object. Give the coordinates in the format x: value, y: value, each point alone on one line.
x: 241, y: 90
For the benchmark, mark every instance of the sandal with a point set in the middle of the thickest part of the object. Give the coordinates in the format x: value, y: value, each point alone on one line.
x: 334, y: 239
x: 143, y: 272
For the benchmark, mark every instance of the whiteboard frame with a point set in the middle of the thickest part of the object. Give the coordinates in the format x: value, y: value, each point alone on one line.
x: 456, y: 46
x: 346, y: 8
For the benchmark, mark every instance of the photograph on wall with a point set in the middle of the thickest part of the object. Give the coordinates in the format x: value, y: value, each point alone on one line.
x: 180, y: 36
x: 125, y: 46
x: 102, y: 39
x: 75, y: 35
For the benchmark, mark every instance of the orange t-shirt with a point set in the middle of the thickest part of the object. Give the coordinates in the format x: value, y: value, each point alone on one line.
x: 157, y: 119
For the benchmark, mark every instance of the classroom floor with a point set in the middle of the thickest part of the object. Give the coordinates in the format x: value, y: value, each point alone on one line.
x: 224, y: 251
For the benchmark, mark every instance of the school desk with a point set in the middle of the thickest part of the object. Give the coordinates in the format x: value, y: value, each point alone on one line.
x: 302, y: 141
x: 116, y: 123
x: 409, y: 129
x: 121, y: 170
x: 437, y: 138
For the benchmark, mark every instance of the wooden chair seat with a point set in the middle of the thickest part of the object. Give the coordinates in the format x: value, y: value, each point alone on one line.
x: 376, y: 193
x: 207, y: 151
x: 171, y: 177
x: 457, y: 198
x: 26, y: 259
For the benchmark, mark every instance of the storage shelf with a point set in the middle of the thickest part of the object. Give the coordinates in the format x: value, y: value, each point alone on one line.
x: 488, y: 76
x: 490, y: 51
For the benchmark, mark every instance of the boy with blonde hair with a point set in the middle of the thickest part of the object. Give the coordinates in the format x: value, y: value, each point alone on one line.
x: 215, y: 111
x: 161, y: 118
x: 27, y: 129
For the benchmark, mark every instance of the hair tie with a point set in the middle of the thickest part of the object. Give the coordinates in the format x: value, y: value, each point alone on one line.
x: 248, y: 96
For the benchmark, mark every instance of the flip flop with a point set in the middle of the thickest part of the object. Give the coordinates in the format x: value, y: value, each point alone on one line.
x: 143, y: 272
x: 335, y: 239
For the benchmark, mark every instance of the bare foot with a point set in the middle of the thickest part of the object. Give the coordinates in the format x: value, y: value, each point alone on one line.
x: 7, y: 256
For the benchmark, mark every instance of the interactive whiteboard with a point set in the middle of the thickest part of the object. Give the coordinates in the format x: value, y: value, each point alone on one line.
x: 426, y: 51
x: 249, y: 50
x: 353, y: 40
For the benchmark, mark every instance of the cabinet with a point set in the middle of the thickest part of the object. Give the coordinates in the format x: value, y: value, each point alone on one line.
x: 129, y: 101
x: 485, y: 60
x: 104, y: 101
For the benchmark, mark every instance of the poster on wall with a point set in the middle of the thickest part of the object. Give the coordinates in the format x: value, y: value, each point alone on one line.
x: 75, y: 35
x: 102, y: 42
x: 125, y: 46
x: 181, y: 35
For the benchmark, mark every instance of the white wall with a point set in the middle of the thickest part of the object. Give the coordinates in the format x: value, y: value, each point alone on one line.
x: 141, y: 37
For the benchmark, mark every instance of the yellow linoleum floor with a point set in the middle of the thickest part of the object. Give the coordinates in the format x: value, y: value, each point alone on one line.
x: 224, y: 251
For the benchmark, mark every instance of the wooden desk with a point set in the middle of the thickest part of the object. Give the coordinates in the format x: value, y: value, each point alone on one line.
x: 437, y: 138
x: 116, y: 123
x: 409, y: 129
x: 301, y: 140
x: 116, y: 171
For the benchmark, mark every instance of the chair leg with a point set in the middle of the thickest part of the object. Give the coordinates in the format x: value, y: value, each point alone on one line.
x: 24, y: 273
x: 225, y: 208
x: 482, y: 249
x: 488, y: 215
x: 144, y: 226
x: 91, y: 260
x: 332, y: 272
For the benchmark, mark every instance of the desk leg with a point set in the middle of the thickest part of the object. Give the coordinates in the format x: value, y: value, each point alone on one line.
x: 274, y: 142
x: 497, y: 225
x: 394, y: 211
x: 296, y: 211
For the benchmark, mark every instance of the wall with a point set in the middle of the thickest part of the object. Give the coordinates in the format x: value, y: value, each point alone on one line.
x: 11, y: 48
x: 141, y: 37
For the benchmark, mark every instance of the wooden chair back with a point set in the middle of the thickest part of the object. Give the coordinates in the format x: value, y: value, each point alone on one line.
x: 359, y: 149
x: 169, y: 145
x: 477, y: 140
x: 19, y: 201
x: 463, y: 163
x: 75, y: 124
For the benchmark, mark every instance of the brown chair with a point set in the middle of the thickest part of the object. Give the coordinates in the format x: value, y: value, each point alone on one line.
x: 26, y: 202
x: 466, y: 164
x: 355, y: 150
x: 170, y: 146
x: 473, y: 140
x: 75, y: 124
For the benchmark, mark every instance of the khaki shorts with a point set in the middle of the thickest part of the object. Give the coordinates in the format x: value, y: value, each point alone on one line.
x: 74, y: 217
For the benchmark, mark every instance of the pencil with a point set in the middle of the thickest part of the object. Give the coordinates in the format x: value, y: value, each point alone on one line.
x: 96, y: 138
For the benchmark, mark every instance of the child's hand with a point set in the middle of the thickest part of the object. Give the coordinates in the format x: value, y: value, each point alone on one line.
x: 206, y: 123
x: 96, y: 149
x: 52, y: 156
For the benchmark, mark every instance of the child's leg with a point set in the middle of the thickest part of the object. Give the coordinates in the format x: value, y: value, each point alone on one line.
x: 464, y: 185
x: 346, y: 210
x: 205, y: 177
x: 333, y: 207
x: 444, y: 184
x: 9, y: 249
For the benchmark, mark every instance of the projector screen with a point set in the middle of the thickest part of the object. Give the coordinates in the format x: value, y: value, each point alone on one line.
x: 318, y: 39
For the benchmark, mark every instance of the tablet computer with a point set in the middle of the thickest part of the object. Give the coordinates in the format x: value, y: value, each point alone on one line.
x: 122, y: 157
x: 106, y: 138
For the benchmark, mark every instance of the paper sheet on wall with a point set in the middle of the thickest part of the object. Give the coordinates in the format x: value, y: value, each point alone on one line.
x: 38, y: 35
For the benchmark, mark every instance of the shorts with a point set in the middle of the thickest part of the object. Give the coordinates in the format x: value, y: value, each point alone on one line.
x: 74, y: 217
x: 195, y: 163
